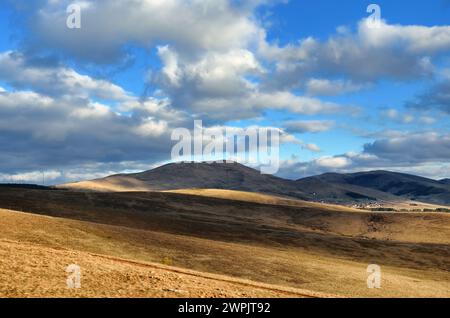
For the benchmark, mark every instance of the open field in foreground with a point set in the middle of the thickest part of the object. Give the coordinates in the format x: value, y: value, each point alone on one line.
x: 320, y: 249
x: 43, y: 274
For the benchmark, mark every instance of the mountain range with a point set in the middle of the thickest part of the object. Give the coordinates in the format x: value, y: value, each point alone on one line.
x: 372, y: 186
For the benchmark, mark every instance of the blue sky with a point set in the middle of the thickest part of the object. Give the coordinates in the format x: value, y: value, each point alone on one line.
x: 102, y: 99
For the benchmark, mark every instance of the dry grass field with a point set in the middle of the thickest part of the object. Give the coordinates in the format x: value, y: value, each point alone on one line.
x: 37, y: 271
x: 294, y: 244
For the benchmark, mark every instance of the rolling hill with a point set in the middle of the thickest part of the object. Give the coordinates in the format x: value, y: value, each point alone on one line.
x: 43, y: 274
x: 177, y: 176
x: 118, y: 237
x: 374, y: 186
x: 379, y: 185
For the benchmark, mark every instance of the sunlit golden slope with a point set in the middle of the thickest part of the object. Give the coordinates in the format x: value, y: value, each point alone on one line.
x: 303, y: 248
x: 260, y: 198
x: 116, y: 184
x: 29, y: 270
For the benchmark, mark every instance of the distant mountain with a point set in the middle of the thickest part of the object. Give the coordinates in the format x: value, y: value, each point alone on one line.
x: 195, y: 175
x: 25, y: 186
x: 384, y: 185
x: 319, y: 188
x: 445, y: 181
x: 330, y: 187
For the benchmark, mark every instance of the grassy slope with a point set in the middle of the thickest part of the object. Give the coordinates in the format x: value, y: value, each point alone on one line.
x: 30, y: 270
x: 304, y: 247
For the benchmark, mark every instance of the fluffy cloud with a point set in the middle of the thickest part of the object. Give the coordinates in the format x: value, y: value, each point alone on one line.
x: 38, y: 177
x: 78, y: 172
x: 391, y: 51
x: 107, y: 26
x: 255, y: 103
x: 216, y: 64
x: 313, y: 126
x: 437, y: 97
x: 398, y: 116
x: 426, y: 154
x: 284, y: 137
x: 213, y: 77
x: 412, y: 148
x: 214, y: 74
x: 312, y: 147
x: 216, y: 86
x: 21, y: 72
x: 38, y: 131
x: 333, y: 162
x: 325, y: 87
